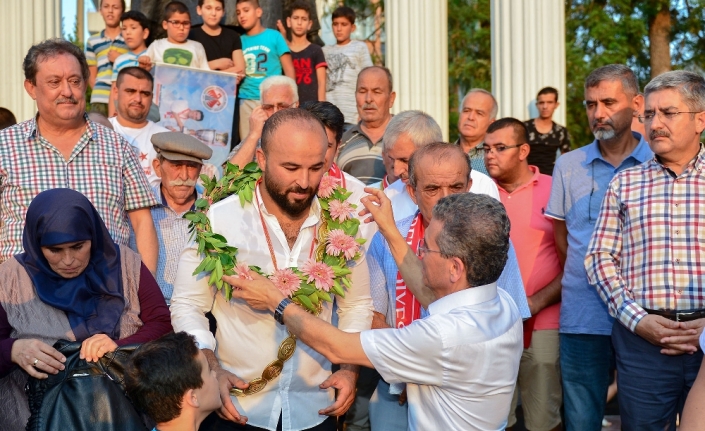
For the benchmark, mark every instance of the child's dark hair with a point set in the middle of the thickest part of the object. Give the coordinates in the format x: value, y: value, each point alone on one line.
x: 345, y: 12
x: 222, y: 2
x: 254, y: 3
x: 300, y: 5
x: 137, y: 16
x: 159, y: 374
x: 175, y: 7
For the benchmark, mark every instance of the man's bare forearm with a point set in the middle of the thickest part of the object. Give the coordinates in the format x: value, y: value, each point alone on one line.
x: 549, y: 295
x: 410, y: 268
x: 246, y: 153
x: 212, y: 360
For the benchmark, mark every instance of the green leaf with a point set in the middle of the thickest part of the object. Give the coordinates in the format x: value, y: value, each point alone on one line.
x: 314, y: 298
x: 228, y: 291
x: 337, y: 290
x: 226, y: 260
x: 361, y: 241
x: 202, y: 266
x: 324, y: 296
x: 306, y: 302
x: 242, y: 199
x: 211, y: 264
x: 201, y: 203
x: 305, y: 289
x: 251, y: 167
x: 247, y: 192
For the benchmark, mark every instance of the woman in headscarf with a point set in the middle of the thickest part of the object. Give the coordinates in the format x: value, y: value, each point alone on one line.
x: 72, y: 282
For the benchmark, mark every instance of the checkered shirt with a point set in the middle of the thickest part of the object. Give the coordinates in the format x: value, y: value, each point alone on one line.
x: 647, y: 247
x: 477, y: 158
x: 102, y: 166
x: 173, y: 236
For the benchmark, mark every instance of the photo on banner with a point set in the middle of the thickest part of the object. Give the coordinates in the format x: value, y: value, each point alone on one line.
x: 198, y: 102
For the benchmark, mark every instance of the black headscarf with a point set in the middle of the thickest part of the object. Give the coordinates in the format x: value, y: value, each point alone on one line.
x: 93, y: 301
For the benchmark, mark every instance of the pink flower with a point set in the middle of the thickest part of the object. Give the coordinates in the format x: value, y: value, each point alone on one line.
x: 286, y: 281
x: 339, y: 242
x: 340, y: 210
x: 320, y: 273
x: 242, y: 271
x: 327, y: 186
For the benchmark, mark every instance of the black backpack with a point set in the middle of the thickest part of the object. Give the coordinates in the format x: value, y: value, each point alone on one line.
x: 85, y: 396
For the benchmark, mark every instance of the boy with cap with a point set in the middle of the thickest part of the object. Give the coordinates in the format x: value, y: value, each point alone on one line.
x: 179, y: 161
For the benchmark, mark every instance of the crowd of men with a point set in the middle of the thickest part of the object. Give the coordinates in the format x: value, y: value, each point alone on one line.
x: 498, y: 268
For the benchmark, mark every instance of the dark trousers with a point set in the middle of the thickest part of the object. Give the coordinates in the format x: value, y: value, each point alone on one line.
x: 585, y: 373
x: 652, y: 387
x: 215, y: 423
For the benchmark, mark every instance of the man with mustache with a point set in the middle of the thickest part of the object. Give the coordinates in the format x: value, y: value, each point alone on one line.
x: 133, y: 93
x: 580, y: 180
x: 646, y: 257
x: 178, y: 162
x: 61, y: 148
x: 360, y: 155
x: 275, y: 231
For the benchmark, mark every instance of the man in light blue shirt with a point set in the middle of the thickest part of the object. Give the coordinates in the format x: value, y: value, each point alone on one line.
x: 580, y: 180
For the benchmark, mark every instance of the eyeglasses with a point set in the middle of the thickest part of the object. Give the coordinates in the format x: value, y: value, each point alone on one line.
x: 497, y: 148
x: 422, y: 249
x: 663, y: 116
x: 278, y: 106
x: 184, y: 24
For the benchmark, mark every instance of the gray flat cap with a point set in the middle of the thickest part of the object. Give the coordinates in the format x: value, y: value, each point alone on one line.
x: 180, y: 146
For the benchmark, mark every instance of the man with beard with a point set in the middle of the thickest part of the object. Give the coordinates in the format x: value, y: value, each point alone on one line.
x: 646, y: 258
x: 60, y: 147
x: 580, y: 181
x: 360, y: 155
x: 276, y: 231
x: 177, y: 165
x: 133, y: 92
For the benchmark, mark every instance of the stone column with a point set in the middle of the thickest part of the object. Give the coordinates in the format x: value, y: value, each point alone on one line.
x: 25, y: 23
x: 417, y: 55
x: 528, y: 53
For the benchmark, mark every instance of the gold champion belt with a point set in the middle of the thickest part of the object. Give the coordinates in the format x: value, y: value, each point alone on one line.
x: 272, y: 371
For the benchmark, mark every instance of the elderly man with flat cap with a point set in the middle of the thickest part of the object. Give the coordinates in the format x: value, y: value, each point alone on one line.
x: 178, y: 164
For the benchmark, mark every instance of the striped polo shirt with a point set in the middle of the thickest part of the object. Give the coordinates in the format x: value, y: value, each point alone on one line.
x: 97, y: 48
x: 360, y: 157
x: 129, y: 59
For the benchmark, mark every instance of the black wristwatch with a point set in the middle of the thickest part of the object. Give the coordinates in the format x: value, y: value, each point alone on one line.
x: 279, y: 312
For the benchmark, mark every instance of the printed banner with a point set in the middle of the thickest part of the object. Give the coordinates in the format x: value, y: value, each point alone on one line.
x: 198, y: 102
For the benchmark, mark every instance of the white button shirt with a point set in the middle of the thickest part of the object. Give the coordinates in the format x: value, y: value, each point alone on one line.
x: 247, y: 340
x: 404, y: 207
x: 460, y: 363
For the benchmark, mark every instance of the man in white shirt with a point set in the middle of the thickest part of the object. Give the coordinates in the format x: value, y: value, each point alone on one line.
x: 459, y: 363
x: 133, y: 93
x: 276, y: 230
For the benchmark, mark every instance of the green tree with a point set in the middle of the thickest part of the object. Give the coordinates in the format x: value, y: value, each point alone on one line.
x: 469, y: 52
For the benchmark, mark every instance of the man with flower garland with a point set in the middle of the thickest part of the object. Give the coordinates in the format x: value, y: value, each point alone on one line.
x: 458, y: 363
x: 277, y: 232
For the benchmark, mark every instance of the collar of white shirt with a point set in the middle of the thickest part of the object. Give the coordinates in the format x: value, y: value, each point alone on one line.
x: 463, y: 298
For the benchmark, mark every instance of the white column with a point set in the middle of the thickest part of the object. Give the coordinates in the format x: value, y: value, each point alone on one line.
x: 24, y: 23
x: 528, y: 53
x: 417, y: 55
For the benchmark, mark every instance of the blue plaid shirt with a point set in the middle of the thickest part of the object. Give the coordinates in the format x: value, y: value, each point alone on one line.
x: 383, y: 277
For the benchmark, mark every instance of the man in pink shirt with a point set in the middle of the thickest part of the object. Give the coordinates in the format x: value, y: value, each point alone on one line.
x: 524, y: 191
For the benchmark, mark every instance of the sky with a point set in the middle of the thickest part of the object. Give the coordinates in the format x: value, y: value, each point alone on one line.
x: 68, y: 14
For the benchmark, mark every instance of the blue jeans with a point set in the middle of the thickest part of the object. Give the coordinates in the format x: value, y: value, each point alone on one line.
x: 652, y: 386
x: 385, y: 412
x: 585, y: 366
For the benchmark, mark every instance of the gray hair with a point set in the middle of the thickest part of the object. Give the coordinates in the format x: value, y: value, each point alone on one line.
x: 614, y: 72
x: 48, y: 49
x: 439, y: 152
x: 421, y: 128
x: 690, y: 85
x: 476, y: 231
x: 495, y: 106
x: 386, y: 71
x: 276, y: 80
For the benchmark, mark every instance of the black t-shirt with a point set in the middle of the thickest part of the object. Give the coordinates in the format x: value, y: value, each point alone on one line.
x: 221, y: 46
x: 306, y: 62
x: 544, y: 146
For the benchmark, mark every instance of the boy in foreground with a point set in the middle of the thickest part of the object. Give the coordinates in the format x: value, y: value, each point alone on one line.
x: 170, y: 380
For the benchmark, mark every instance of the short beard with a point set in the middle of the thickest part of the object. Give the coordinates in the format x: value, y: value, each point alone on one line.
x: 604, y: 135
x: 292, y: 209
